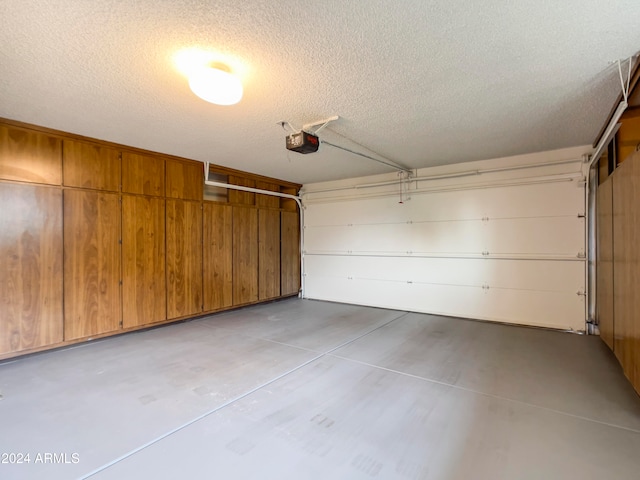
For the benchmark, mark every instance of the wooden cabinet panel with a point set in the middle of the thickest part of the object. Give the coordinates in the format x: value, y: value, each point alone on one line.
x: 184, y: 179
x: 268, y: 201
x: 290, y: 253
x: 238, y: 196
x: 289, y: 204
x: 217, y: 256
x: 30, y: 156
x: 144, y: 294
x: 268, y: 254
x: 89, y: 165
x: 91, y: 263
x: 604, y: 279
x: 142, y: 174
x: 626, y: 266
x: 30, y: 267
x: 245, y: 255
x: 184, y: 258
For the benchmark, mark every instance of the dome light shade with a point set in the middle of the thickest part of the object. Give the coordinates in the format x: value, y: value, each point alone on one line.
x: 216, y: 86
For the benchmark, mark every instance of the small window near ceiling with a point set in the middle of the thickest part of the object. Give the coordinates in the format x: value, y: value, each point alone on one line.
x: 215, y: 193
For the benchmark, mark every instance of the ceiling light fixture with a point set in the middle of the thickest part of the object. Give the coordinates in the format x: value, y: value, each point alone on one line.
x: 215, y: 83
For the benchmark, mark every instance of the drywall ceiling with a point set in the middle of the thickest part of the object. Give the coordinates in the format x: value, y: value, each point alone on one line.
x: 420, y: 82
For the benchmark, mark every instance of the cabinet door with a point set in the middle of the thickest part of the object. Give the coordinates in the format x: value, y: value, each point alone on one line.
x: 626, y: 266
x: 245, y: 255
x: 604, y: 265
x: 268, y: 254
x: 91, y: 263
x: 144, y: 294
x: 30, y: 156
x: 218, y: 256
x: 30, y: 267
x: 184, y: 258
x: 290, y: 253
x: 142, y: 174
x: 89, y: 165
x: 269, y: 201
x: 184, y: 179
x: 238, y: 196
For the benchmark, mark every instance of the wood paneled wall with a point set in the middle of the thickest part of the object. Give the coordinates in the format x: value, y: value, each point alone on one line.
x: 620, y: 297
x: 290, y: 253
x: 30, y: 156
x: 245, y: 255
x: 143, y: 174
x: 91, y: 263
x: 184, y: 179
x: 218, y: 256
x: 268, y: 253
x: 604, y: 262
x: 97, y: 238
x: 626, y: 266
x: 184, y: 258
x: 144, y: 292
x: 30, y: 267
x: 92, y: 166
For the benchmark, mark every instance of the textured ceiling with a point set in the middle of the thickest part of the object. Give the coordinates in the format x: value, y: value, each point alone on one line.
x: 421, y: 82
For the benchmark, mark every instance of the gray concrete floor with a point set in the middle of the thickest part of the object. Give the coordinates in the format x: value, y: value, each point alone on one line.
x: 300, y: 389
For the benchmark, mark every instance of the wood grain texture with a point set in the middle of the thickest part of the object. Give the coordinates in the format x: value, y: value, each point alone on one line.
x: 91, y: 263
x: 89, y: 165
x: 184, y: 257
x: 30, y: 267
x: 268, y: 254
x: 290, y: 253
x: 217, y: 256
x: 604, y: 263
x: 30, y: 156
x: 144, y: 293
x: 626, y: 266
x: 627, y: 138
x: 267, y: 201
x: 245, y: 255
x: 239, y: 197
x: 142, y: 174
x: 184, y: 179
x: 289, y: 204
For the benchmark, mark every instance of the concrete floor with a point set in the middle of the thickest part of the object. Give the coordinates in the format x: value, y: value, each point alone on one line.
x: 301, y: 389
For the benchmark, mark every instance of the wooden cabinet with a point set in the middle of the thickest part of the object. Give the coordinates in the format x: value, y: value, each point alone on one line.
x: 268, y: 201
x: 626, y: 266
x: 30, y: 267
x: 30, y: 156
x: 184, y: 179
x: 96, y: 238
x: 142, y: 174
x: 604, y: 265
x: 289, y: 204
x: 91, y: 263
x: 238, y: 196
x: 184, y: 257
x: 89, y: 165
x: 245, y: 255
x: 144, y: 299
x: 268, y: 254
x: 290, y: 253
x: 217, y: 256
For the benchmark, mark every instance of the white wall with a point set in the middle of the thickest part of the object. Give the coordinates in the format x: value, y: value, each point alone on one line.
x: 502, y: 245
